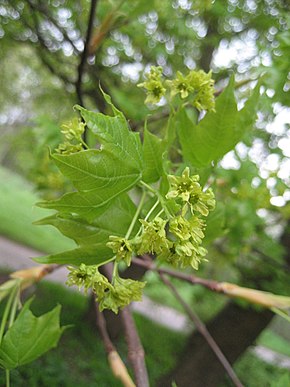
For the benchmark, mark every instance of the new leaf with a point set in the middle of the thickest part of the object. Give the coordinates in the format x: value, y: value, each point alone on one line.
x: 29, y: 337
x: 100, y: 175
x: 219, y: 131
x: 153, y: 148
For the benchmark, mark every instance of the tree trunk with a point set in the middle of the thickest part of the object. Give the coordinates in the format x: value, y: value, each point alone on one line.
x: 234, y: 329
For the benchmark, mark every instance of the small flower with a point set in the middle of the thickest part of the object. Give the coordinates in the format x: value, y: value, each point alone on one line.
x: 154, y: 85
x: 153, y: 238
x: 87, y: 277
x: 184, y: 254
x: 180, y: 85
x: 202, y: 202
x: 203, y: 91
x: 182, y: 186
x: 121, y: 294
x: 122, y: 248
x: 67, y: 148
x: 73, y: 130
x: 187, y: 188
x: 180, y: 227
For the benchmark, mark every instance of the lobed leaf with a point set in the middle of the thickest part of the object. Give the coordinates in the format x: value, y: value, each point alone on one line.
x: 153, y: 150
x: 30, y: 337
x: 103, y: 174
x: 95, y: 254
x: 219, y: 131
x: 122, y: 210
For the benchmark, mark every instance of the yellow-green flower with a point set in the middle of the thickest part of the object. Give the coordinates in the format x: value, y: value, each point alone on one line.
x: 122, y: 248
x: 153, y: 238
x: 154, y: 85
x: 180, y: 85
x: 188, y: 190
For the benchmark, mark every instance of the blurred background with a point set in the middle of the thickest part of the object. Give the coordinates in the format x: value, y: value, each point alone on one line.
x: 48, y: 65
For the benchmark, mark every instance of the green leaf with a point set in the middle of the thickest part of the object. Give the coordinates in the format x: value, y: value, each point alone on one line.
x: 114, y: 134
x: 92, y: 237
x: 213, y: 136
x: 247, y: 116
x: 7, y: 287
x: 215, y: 224
x: 283, y: 381
x: 153, y: 150
x: 103, y: 174
x: 122, y: 210
x: 95, y: 254
x: 30, y: 337
x: 219, y: 131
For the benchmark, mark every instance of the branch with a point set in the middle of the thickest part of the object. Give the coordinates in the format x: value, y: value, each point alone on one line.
x: 204, y: 332
x: 117, y: 366
x: 81, y: 67
x: 43, y: 48
x: 41, y: 8
x: 259, y: 297
x: 194, y: 280
x: 135, y: 350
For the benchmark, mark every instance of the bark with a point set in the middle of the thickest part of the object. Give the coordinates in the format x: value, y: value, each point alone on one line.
x: 234, y: 329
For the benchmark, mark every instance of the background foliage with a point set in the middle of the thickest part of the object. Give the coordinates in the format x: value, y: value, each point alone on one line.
x: 44, y: 75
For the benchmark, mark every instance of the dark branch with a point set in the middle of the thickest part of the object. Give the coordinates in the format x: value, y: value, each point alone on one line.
x: 41, y: 8
x: 135, y: 349
x: 81, y: 67
x: 117, y: 366
x: 102, y: 327
x: 149, y: 265
x: 42, y: 48
x: 203, y: 331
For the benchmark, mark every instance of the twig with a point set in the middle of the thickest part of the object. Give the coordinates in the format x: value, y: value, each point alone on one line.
x: 204, y: 332
x: 84, y: 55
x: 135, y: 349
x: 209, y: 284
x: 42, y: 8
x: 117, y: 366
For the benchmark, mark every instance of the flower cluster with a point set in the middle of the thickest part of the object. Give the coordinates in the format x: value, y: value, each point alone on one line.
x: 154, y: 85
x: 197, y: 85
x: 187, y: 189
x: 176, y: 239
x: 73, y: 142
x: 173, y: 237
x: 121, y: 292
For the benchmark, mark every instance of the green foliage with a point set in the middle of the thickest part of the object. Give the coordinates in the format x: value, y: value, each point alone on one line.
x: 29, y: 337
x: 218, y: 132
x: 100, y: 175
x: 153, y: 151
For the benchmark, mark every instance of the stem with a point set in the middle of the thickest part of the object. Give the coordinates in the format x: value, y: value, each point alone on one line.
x: 6, y: 313
x: 149, y: 187
x: 14, y: 309
x: 107, y: 261
x: 204, y: 332
x: 7, y: 378
x: 84, y: 144
x: 115, y: 270
x: 136, y: 352
x: 152, y: 209
x: 160, y: 198
x: 136, y: 215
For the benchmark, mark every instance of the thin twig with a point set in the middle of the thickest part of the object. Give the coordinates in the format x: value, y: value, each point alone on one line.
x: 42, y: 8
x: 84, y: 55
x: 204, y: 332
x: 209, y: 284
x: 135, y: 349
x: 117, y: 366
